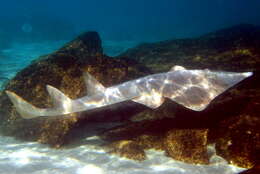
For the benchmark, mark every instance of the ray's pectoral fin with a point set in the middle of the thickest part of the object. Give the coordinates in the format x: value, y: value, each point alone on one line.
x: 194, y: 98
x: 152, y: 100
x: 93, y: 86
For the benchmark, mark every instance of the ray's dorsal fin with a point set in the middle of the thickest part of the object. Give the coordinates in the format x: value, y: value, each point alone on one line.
x: 59, y: 99
x: 93, y: 86
x: 177, y: 68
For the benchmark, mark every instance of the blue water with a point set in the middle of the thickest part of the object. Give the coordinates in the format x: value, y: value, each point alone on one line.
x: 142, y: 20
x: 30, y: 28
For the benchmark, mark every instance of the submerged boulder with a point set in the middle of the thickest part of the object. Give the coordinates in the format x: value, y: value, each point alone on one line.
x: 232, y: 49
x: 62, y: 69
x: 231, y: 122
x: 177, y: 141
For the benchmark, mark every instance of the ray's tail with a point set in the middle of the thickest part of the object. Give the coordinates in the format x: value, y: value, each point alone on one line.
x: 25, y: 109
x: 62, y: 104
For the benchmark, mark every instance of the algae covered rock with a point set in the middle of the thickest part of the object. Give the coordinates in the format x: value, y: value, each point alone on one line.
x: 62, y: 69
x: 187, y: 145
x: 240, y: 140
x: 127, y: 148
x: 232, y: 120
x: 232, y: 49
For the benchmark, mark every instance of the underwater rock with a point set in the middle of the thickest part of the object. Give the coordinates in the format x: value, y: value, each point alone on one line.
x: 233, y: 118
x: 232, y: 49
x: 187, y: 145
x: 239, y: 139
x: 87, y: 44
x: 254, y: 170
x: 128, y: 149
x: 63, y: 69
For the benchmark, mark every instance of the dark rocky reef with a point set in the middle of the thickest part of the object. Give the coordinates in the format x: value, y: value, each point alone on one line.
x: 231, y: 122
x: 63, y: 69
x: 232, y: 49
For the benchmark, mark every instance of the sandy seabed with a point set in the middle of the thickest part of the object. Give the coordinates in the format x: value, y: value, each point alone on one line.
x: 31, y: 157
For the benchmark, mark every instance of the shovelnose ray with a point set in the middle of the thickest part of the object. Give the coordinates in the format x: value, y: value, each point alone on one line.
x: 194, y: 89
